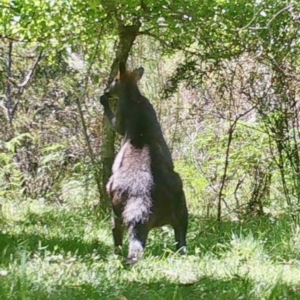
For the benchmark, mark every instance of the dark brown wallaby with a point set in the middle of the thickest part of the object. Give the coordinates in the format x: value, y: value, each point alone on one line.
x: 145, y: 190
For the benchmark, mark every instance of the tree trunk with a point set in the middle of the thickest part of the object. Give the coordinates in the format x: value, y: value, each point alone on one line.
x: 127, y: 36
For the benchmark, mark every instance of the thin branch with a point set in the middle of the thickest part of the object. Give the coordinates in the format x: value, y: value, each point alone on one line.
x: 8, y: 87
x: 5, y: 111
x: 273, y: 18
x: 278, y: 13
x: 147, y: 32
x: 163, y: 42
x: 144, y: 7
x: 84, y: 127
x: 226, y: 163
x: 28, y: 76
x: 91, y: 154
x: 249, y: 23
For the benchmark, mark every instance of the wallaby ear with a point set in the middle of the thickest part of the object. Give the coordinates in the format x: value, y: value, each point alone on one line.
x: 139, y: 73
x: 122, y: 67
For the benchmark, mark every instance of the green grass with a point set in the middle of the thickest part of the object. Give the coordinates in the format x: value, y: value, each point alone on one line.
x: 64, y: 252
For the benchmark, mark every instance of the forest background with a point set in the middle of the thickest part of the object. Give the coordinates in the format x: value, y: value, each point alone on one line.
x: 223, y: 76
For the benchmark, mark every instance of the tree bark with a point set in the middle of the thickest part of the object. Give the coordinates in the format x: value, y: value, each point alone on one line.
x: 127, y: 36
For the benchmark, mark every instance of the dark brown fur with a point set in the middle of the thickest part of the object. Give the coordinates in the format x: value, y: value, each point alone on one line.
x: 146, y: 192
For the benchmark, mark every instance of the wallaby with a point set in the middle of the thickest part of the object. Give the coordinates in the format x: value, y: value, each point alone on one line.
x: 145, y: 190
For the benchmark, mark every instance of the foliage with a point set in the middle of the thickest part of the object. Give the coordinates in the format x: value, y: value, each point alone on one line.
x: 237, y: 55
x: 230, y: 70
x: 247, y: 179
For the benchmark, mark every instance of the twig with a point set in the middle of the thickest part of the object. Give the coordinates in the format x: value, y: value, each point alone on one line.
x: 165, y: 43
x: 28, y: 76
x: 11, y: 109
x: 84, y: 127
x: 273, y: 18
x: 278, y: 13
x: 226, y: 163
x: 8, y: 88
x: 84, y: 94
x: 249, y: 23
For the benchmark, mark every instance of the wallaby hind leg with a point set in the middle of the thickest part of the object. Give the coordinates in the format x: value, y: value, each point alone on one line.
x: 117, y: 230
x: 180, y: 230
x: 137, y: 241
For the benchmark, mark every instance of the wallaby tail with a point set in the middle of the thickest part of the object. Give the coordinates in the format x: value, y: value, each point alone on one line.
x: 137, y: 209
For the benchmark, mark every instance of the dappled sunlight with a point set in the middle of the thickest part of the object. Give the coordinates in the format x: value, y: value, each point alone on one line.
x: 223, y: 79
x: 66, y: 254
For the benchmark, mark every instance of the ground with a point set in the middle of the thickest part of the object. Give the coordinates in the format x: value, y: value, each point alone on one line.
x: 51, y: 251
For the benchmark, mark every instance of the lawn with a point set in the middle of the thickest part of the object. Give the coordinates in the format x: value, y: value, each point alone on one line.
x: 50, y: 251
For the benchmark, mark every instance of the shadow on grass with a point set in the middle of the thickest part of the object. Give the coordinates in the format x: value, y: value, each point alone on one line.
x: 205, y: 288
x: 67, y: 228
x: 57, y: 232
x: 11, y: 244
x: 208, y: 234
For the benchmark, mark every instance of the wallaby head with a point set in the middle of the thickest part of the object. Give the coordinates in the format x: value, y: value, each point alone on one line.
x: 124, y: 78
